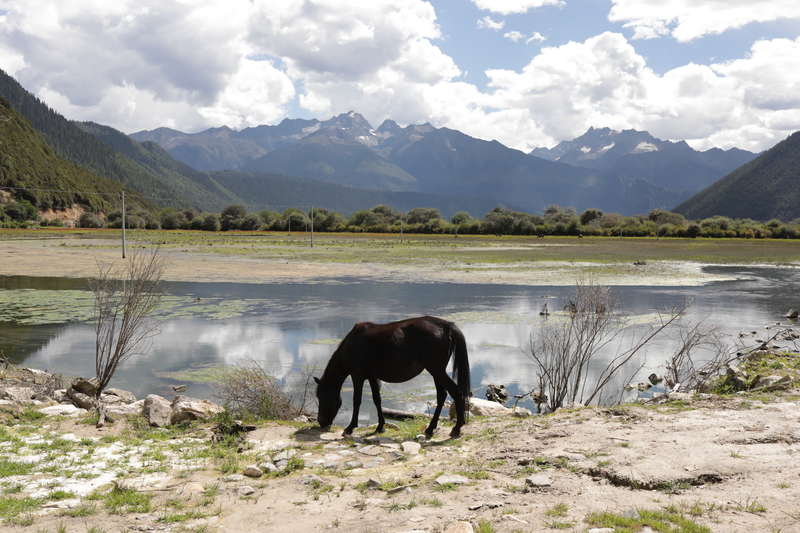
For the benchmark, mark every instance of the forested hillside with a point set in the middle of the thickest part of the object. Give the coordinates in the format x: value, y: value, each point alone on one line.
x: 767, y: 187
x: 145, y: 174
x: 26, y: 161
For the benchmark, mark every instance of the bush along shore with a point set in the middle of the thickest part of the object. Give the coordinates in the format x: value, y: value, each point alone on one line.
x: 719, y: 457
x: 555, y: 220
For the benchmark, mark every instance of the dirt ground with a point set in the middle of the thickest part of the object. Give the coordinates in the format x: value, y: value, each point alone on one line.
x: 70, y: 258
x: 728, y: 465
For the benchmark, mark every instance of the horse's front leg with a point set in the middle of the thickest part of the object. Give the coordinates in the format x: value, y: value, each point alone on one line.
x: 375, y: 386
x: 358, y: 386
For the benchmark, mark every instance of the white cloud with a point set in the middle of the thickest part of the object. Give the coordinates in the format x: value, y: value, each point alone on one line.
x: 489, y: 23
x: 517, y: 36
x: 535, y: 37
x: 689, y: 19
x: 242, y: 63
x: 506, y: 7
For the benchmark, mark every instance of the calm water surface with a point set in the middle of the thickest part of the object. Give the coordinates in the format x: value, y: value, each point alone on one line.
x: 289, y: 328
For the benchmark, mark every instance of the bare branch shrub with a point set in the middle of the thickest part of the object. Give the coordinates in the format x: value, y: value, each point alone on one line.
x: 568, y: 354
x: 248, y: 391
x: 682, y: 372
x: 124, y: 299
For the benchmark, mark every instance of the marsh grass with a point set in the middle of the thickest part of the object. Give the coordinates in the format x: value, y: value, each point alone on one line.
x: 123, y: 500
x: 662, y: 521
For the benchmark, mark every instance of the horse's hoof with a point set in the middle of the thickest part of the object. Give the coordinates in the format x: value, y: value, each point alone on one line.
x: 348, y: 431
x: 380, y: 429
x: 455, y: 433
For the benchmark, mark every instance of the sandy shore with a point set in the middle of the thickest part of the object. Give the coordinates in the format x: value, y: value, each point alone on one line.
x: 714, y: 465
x: 71, y: 258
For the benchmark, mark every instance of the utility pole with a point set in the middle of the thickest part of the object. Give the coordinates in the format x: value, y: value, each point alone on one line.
x: 123, y: 224
x: 312, y: 226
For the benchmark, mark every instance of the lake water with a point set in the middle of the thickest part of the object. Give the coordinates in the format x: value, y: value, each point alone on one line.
x: 289, y: 328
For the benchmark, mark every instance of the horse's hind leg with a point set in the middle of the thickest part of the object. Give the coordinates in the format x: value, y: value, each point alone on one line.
x: 441, y: 396
x: 375, y: 386
x: 459, y: 401
x: 358, y: 386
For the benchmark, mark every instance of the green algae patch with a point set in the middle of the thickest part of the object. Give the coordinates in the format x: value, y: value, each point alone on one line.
x: 36, y: 307
x: 202, y: 374
x: 330, y: 341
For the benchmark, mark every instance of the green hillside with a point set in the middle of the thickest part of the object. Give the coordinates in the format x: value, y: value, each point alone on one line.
x: 765, y: 188
x: 27, y: 161
x: 146, y: 171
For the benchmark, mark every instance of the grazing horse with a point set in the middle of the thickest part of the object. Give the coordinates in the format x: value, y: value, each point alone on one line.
x: 397, y: 352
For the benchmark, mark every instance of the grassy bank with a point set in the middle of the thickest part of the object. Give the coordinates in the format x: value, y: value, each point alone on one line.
x: 413, y: 249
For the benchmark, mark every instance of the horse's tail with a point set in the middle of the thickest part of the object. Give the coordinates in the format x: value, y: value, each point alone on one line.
x: 458, y: 350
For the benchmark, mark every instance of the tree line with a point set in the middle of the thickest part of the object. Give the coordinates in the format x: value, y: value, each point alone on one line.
x: 555, y: 220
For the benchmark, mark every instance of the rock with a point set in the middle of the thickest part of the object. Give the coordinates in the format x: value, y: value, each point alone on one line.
x: 521, y: 412
x: 792, y: 314
x: 268, y: 467
x: 772, y: 382
x: 451, y: 479
x: 641, y: 387
x: 281, y: 464
x: 411, y: 448
x: 353, y: 464
x: 60, y: 395
x: 62, y: 504
x: 398, y: 490
x: 80, y: 399
x: 496, y: 393
x: 372, y: 483
x: 301, y: 418
x: 126, y: 409
x: 654, y: 379
x: 66, y: 409
x: 246, y: 490
x: 684, y: 396
x: 157, y: 410
x: 371, y: 450
x: 118, y: 395
x: 601, y: 530
x: 10, y: 407
x: 253, y: 471
x: 21, y: 395
x: 330, y: 436
x: 233, y: 478
x: 37, y: 377
x: 85, y: 386
x: 459, y: 527
x: 284, y: 455
x: 479, y: 407
x: 311, y: 479
x: 538, y: 481
x: 185, y: 408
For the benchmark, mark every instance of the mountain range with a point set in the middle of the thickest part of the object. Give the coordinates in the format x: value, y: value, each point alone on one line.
x: 345, y: 164
x: 625, y: 171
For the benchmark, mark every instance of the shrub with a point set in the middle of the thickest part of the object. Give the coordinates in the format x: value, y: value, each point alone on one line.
x: 210, y: 223
x: 90, y: 220
x: 247, y: 390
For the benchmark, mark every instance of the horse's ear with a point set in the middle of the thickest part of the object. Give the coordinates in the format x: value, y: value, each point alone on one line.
x: 316, y: 379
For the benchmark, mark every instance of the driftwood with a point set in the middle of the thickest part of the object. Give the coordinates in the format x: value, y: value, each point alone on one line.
x: 397, y: 414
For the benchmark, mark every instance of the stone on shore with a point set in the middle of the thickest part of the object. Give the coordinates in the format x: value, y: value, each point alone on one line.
x: 459, y: 527
x: 185, y: 408
x: 157, y: 410
x: 64, y: 409
x: 451, y: 479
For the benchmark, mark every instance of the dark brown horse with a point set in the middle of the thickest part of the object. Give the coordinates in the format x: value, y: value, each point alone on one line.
x: 396, y: 352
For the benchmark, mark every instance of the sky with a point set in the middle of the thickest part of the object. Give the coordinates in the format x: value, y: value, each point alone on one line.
x: 527, y: 73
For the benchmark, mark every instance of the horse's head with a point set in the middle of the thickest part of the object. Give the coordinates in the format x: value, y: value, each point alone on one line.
x: 329, y: 401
